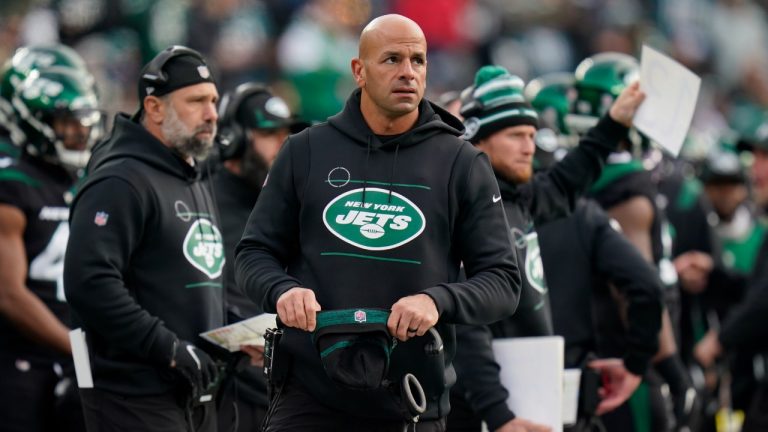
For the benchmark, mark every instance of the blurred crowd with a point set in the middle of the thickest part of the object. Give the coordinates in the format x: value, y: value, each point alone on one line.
x: 302, y: 49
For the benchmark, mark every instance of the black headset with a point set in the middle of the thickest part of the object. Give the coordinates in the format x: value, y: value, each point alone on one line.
x: 232, y: 139
x: 154, y: 74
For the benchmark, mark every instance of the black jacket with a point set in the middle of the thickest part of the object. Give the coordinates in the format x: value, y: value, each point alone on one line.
x: 363, y: 224
x: 597, y: 255
x: 235, y: 199
x: 144, y: 261
x: 550, y: 195
x: 746, y: 327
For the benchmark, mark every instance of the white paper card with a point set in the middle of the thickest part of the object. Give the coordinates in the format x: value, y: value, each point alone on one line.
x: 532, y: 371
x: 571, y: 382
x: 81, y: 359
x: 246, y: 332
x: 671, y: 92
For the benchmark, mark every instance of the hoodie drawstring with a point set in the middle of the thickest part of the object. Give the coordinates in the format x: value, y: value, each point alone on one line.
x: 392, y: 173
x: 365, y: 171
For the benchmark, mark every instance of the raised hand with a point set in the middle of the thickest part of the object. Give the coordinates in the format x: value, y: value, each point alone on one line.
x: 624, y: 107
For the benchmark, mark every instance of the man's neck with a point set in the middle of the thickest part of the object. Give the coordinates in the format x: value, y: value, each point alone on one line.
x: 382, y: 124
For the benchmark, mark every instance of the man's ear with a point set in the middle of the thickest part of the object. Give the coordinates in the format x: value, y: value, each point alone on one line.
x: 154, y: 109
x: 358, y: 72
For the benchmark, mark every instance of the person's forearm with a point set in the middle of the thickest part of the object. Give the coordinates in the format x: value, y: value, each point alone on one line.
x: 667, y: 344
x: 30, y: 315
x: 479, y: 375
x: 555, y: 194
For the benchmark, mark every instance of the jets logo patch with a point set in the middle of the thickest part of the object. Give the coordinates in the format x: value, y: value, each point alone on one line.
x: 534, y: 267
x: 377, y: 222
x: 204, y: 248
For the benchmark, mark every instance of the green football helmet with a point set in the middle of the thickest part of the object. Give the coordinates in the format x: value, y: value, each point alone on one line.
x: 27, y: 59
x: 599, y: 81
x: 57, y: 109
x: 552, y: 95
x: 19, y: 66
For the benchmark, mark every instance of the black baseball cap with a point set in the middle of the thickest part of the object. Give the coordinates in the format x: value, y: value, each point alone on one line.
x: 173, y: 68
x: 758, y: 139
x: 263, y: 110
x: 354, y: 346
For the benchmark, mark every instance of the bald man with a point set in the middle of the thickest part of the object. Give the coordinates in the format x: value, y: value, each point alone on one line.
x: 356, y: 242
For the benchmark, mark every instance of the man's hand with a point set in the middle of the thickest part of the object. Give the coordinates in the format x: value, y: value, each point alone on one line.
x: 693, y: 268
x: 298, y: 308
x: 255, y: 352
x: 195, y: 365
x: 522, y: 425
x: 412, y: 316
x: 708, y: 349
x: 618, y: 383
x: 624, y: 107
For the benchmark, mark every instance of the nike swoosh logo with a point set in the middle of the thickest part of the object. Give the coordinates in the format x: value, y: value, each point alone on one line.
x: 496, y: 198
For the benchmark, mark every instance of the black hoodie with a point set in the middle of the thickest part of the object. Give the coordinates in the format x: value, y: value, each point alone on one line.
x: 548, y: 196
x: 364, y: 224
x: 144, y: 261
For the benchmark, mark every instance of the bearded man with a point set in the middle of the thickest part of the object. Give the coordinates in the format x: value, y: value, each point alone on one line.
x: 144, y: 263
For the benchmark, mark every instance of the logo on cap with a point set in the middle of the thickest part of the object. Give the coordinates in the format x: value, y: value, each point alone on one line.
x: 204, y: 72
x: 277, y: 107
x: 471, y: 126
x: 360, y: 316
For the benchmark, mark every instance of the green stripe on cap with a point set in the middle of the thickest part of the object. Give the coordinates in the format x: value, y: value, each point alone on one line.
x: 334, y: 347
x: 494, y: 86
x: 515, y: 112
x: 351, y: 316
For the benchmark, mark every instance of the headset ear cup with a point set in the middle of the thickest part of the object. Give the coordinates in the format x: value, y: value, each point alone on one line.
x: 237, y: 147
x: 232, y: 138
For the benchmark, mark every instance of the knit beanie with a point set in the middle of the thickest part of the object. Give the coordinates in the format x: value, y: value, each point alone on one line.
x: 495, y: 102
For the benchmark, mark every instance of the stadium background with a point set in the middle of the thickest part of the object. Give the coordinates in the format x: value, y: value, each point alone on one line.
x: 302, y: 48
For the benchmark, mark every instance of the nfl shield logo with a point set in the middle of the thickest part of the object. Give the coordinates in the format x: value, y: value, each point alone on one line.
x: 101, y: 218
x: 360, y: 316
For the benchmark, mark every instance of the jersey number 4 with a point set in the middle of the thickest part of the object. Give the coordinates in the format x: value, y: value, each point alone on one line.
x: 49, y: 264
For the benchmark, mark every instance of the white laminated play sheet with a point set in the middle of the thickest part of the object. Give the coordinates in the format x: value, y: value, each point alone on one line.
x: 532, y: 371
x: 80, y: 358
x: 246, y: 332
x: 671, y: 92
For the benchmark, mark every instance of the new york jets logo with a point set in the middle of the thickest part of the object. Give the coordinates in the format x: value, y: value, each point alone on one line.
x: 534, y: 267
x: 376, y: 223
x: 204, y: 249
